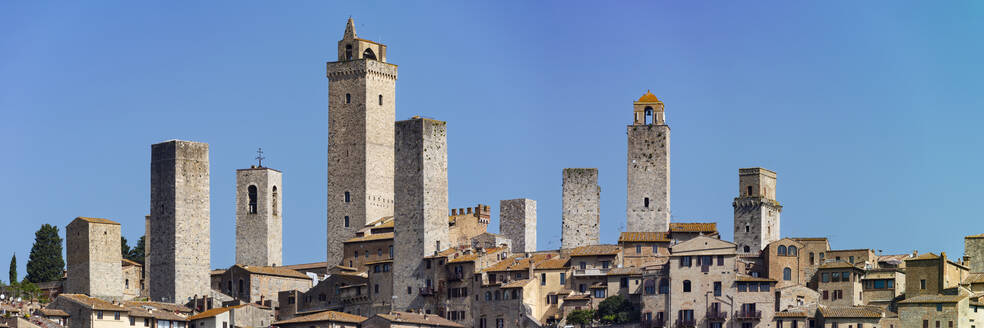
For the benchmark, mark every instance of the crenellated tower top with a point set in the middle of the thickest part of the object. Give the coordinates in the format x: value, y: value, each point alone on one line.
x: 350, y: 47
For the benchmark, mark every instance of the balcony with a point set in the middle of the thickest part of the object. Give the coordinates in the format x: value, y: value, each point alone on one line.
x: 590, y: 272
x: 426, y: 291
x: 748, y: 315
x: 685, y: 323
x: 715, y: 315
x: 652, y: 323
x: 456, y: 276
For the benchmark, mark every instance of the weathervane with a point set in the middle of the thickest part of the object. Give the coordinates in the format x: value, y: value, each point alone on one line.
x: 259, y: 157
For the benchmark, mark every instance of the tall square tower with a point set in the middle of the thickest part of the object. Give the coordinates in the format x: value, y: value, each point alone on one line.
x: 421, y: 215
x: 180, y: 221
x: 362, y: 92
x: 259, y: 223
x: 581, y: 208
x: 647, y: 205
x: 517, y: 221
x: 94, y: 259
x: 756, y: 210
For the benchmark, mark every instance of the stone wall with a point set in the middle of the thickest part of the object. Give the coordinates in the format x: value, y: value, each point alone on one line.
x: 974, y: 252
x: 180, y: 247
x: 581, y: 208
x: 94, y: 258
x: 756, y: 210
x: 517, y: 221
x: 259, y: 230
x: 360, y: 147
x: 647, y: 206
x: 421, y: 212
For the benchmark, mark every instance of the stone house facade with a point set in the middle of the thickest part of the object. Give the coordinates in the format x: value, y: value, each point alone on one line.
x: 92, y: 246
x: 260, y: 284
x: 581, y: 204
x: 840, y: 284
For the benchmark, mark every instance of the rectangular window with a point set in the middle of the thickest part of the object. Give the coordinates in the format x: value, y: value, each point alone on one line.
x: 717, y: 288
x: 879, y: 284
x: 825, y: 277
x: 685, y: 261
x: 623, y: 283
x: 133, y: 321
x: 584, y: 265
x: 116, y: 315
x: 825, y: 295
x: 922, y: 284
x: 99, y: 314
x: 543, y: 279
x: 764, y: 287
x: 846, y: 276
x: 655, y: 248
x: 720, y: 260
x: 346, y: 221
x: 428, y: 263
x: 742, y: 287
x: 638, y: 249
x: 604, y: 264
x: 563, y: 278
x: 753, y: 287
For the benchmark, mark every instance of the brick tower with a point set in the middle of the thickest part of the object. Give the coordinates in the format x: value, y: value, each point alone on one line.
x: 756, y: 210
x: 361, y: 113
x: 94, y: 258
x: 647, y: 205
x: 259, y: 224
x: 581, y: 208
x: 421, y: 214
x: 179, y: 211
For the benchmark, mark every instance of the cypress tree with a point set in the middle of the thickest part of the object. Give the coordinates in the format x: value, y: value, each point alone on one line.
x: 13, y: 269
x: 46, y: 263
x: 136, y: 253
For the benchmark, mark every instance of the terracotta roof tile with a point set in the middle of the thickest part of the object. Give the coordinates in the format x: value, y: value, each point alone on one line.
x: 92, y: 303
x: 517, y: 263
x: 53, y: 312
x: 372, y: 237
x: 934, y: 299
x: 927, y: 256
x: 850, y: 312
x: 553, y: 263
x: 596, y: 250
x: 307, y: 266
x: 420, y: 319
x: 214, y: 312
x: 790, y: 314
x: 330, y: 316
x: 838, y: 265
x: 624, y: 271
x: 517, y: 283
x: 656, y: 237
x: 978, y: 236
x: 164, y: 306
x: 97, y: 220
x: 693, y: 227
x: 753, y: 279
x: 273, y: 271
x: 974, y: 278
x: 156, y: 314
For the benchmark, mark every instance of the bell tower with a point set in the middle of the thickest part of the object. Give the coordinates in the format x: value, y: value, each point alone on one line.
x: 361, y: 125
x: 647, y: 206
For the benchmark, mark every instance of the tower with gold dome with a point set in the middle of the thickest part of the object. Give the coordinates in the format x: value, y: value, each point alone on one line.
x: 647, y: 206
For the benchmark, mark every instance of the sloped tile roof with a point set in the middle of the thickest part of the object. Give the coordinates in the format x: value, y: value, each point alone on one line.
x: 939, y: 298
x: 273, y: 271
x: 330, y: 316
x: 372, y: 237
x: 214, y: 312
x: 927, y: 256
x: 624, y: 271
x: 307, y: 266
x: 974, y: 278
x: 164, y: 306
x: 753, y: 279
x: 420, y: 319
x: 517, y: 283
x: 92, y: 302
x: 553, y: 263
x: 53, y: 312
x: 850, y: 312
x: 517, y: 263
x: 596, y: 250
x: 838, y: 265
x: 693, y: 227
x: 156, y: 314
x: 655, y: 237
x: 791, y: 314
x: 97, y: 220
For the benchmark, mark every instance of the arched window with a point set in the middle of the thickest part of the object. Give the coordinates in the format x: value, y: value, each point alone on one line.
x: 650, y: 286
x: 748, y: 249
x: 275, y: 202
x: 368, y: 54
x: 686, y: 286
x: 781, y: 251
x: 380, y: 100
x: 251, y: 191
x: 787, y: 274
x: 348, y: 52
x: 792, y: 250
x: 348, y: 98
x: 348, y: 197
x: 664, y: 286
x: 648, y: 115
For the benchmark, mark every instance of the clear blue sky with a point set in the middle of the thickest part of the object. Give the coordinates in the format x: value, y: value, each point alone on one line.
x: 869, y: 111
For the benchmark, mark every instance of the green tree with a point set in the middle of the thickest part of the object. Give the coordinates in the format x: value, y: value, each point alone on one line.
x: 136, y: 253
x: 45, y: 263
x: 124, y: 248
x: 616, y: 309
x: 580, y: 317
x: 29, y: 291
x: 13, y: 269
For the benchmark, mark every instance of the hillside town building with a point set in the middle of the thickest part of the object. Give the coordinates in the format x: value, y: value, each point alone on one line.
x: 399, y: 256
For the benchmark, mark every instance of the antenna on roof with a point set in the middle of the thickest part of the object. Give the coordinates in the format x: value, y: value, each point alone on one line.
x: 259, y: 157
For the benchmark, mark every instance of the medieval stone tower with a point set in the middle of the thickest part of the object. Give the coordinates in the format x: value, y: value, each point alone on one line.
x: 179, y: 211
x: 421, y: 214
x: 94, y: 259
x: 361, y: 88
x: 647, y: 206
x: 581, y: 208
x: 756, y: 210
x: 974, y: 252
x: 517, y: 221
x: 259, y: 223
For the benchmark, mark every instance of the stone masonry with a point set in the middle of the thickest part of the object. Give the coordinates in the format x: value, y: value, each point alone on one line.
x: 94, y: 259
x: 647, y: 205
x: 756, y: 210
x: 974, y: 252
x: 362, y: 93
x: 179, y: 208
x: 517, y: 221
x: 259, y: 222
x: 581, y: 208
x: 421, y: 214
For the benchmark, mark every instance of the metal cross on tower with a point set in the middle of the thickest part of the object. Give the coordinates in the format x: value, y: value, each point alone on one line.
x: 259, y: 157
